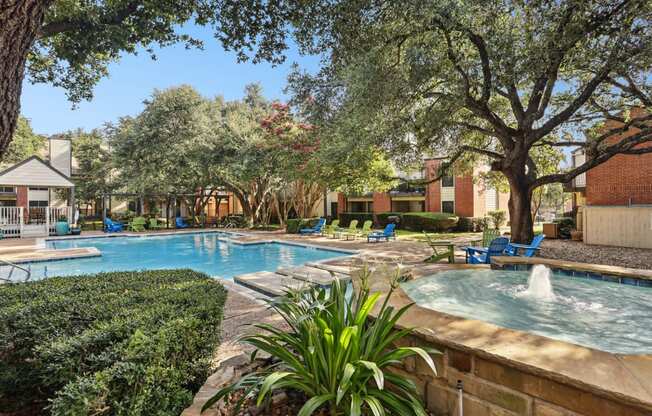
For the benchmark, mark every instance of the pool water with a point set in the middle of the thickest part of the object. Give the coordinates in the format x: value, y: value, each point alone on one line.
x: 211, y: 253
x: 607, y: 316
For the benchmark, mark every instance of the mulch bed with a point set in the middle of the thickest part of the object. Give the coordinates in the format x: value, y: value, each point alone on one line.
x: 637, y: 258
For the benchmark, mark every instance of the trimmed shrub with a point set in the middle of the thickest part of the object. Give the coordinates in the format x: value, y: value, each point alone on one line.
x: 498, y: 218
x: 347, y: 217
x: 428, y: 221
x: 383, y: 218
x: 122, y: 343
x: 566, y: 225
x: 473, y: 224
x: 294, y: 225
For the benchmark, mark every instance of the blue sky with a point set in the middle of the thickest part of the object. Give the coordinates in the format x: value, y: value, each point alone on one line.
x: 211, y: 71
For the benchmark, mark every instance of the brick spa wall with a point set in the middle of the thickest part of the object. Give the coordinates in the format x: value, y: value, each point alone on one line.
x: 493, y: 388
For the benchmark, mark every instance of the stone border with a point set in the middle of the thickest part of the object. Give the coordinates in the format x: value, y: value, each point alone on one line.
x: 503, y: 364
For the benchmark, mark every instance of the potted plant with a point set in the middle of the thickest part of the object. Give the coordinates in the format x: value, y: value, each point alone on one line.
x: 77, y: 229
x: 61, y: 226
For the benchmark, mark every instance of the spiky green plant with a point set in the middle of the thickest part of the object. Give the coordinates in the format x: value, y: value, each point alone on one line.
x: 333, y: 354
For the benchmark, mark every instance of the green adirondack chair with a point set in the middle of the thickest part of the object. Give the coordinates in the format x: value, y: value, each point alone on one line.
x: 488, y: 235
x: 331, y: 229
x: 138, y: 224
x: 366, y: 229
x: 154, y: 225
x: 342, y: 232
x: 440, y: 249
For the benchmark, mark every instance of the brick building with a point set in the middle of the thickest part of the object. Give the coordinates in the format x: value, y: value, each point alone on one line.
x: 454, y: 194
x: 614, y: 199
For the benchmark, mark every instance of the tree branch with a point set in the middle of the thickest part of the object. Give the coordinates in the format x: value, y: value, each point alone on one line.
x: 56, y: 27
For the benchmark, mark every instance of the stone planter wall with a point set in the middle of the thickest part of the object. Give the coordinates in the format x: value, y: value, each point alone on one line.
x: 494, y: 388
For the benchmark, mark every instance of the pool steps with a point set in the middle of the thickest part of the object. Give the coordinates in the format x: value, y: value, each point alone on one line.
x: 275, y: 284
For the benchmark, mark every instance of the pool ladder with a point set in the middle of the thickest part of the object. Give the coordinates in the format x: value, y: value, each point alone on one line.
x: 11, y: 272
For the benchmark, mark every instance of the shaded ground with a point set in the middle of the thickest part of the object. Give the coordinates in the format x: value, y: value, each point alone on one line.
x: 636, y: 258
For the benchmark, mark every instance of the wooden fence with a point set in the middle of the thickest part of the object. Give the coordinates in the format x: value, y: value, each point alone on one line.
x: 618, y: 226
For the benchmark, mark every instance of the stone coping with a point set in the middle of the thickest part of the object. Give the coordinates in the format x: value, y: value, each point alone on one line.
x: 625, y: 378
x: 571, y: 265
x: 36, y: 256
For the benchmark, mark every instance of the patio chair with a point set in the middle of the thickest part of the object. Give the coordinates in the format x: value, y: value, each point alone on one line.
x: 314, y: 230
x: 363, y: 232
x: 179, y: 222
x: 138, y: 224
x: 332, y: 228
x: 386, y: 234
x: 440, y: 249
x: 154, y: 224
x: 342, y: 232
x: 529, y: 250
x: 482, y: 255
x: 111, y: 226
x: 488, y: 235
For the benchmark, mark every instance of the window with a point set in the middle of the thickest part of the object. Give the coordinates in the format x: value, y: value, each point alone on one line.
x: 38, y: 189
x: 447, y: 181
x: 7, y: 190
x: 448, y: 206
x: 37, y: 204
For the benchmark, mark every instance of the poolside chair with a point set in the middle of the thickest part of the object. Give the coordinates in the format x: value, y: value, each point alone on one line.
x: 482, y: 255
x: 440, y: 249
x: 529, y: 250
x: 366, y: 229
x: 179, y: 222
x: 138, y: 224
x: 314, y: 230
x: 154, y: 225
x: 112, y: 226
x: 331, y: 229
x: 488, y: 235
x: 343, y: 232
x: 386, y: 234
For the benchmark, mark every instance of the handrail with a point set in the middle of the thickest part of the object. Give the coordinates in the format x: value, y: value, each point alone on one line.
x: 14, y: 266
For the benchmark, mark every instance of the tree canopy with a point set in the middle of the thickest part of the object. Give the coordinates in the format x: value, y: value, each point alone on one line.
x: 25, y: 143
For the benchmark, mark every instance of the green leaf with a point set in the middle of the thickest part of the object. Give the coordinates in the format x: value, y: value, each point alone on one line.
x: 375, y: 406
x: 356, y: 405
x: 377, y: 374
x: 268, y: 384
x: 313, y: 404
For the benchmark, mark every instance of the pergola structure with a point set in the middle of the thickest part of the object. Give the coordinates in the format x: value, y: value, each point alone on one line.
x: 22, y: 220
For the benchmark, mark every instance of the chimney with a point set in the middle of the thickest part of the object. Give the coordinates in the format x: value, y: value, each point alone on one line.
x: 61, y: 154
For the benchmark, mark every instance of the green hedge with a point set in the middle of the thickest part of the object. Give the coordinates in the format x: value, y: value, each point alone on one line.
x: 347, y: 217
x: 473, y: 224
x: 428, y: 221
x: 122, y: 343
x: 294, y: 225
x: 383, y: 218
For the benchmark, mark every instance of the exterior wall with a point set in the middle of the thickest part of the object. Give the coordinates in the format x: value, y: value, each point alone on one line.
x: 623, y: 179
x: 618, y: 226
x: 22, y: 196
x: 61, y: 155
x: 433, y: 190
x: 382, y: 202
x: 496, y: 388
x: 341, y: 203
x: 464, y: 196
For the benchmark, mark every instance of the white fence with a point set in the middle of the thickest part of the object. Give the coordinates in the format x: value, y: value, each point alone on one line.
x: 618, y: 226
x: 31, y: 222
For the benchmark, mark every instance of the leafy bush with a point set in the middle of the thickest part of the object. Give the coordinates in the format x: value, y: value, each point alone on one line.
x: 566, y: 225
x: 472, y: 224
x: 122, y: 343
x: 336, y: 357
x: 498, y: 218
x: 428, y: 221
x: 294, y: 225
x: 383, y: 218
x: 347, y: 217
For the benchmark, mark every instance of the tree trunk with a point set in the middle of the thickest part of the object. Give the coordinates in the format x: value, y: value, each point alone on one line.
x: 19, y: 25
x: 520, y: 213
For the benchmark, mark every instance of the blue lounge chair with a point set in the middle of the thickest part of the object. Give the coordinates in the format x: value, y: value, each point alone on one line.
x: 314, y: 230
x: 482, y: 255
x: 111, y: 226
x: 386, y: 234
x: 180, y: 223
x: 528, y: 250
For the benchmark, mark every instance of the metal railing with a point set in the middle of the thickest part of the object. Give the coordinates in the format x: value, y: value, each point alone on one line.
x: 12, y: 273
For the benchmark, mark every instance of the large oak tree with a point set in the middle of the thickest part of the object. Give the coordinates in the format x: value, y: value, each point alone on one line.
x: 494, y: 78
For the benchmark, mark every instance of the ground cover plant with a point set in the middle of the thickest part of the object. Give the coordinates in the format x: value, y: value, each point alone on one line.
x: 333, y: 355
x: 121, y: 343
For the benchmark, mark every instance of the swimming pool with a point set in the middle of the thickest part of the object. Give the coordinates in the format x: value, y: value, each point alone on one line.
x: 211, y: 253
